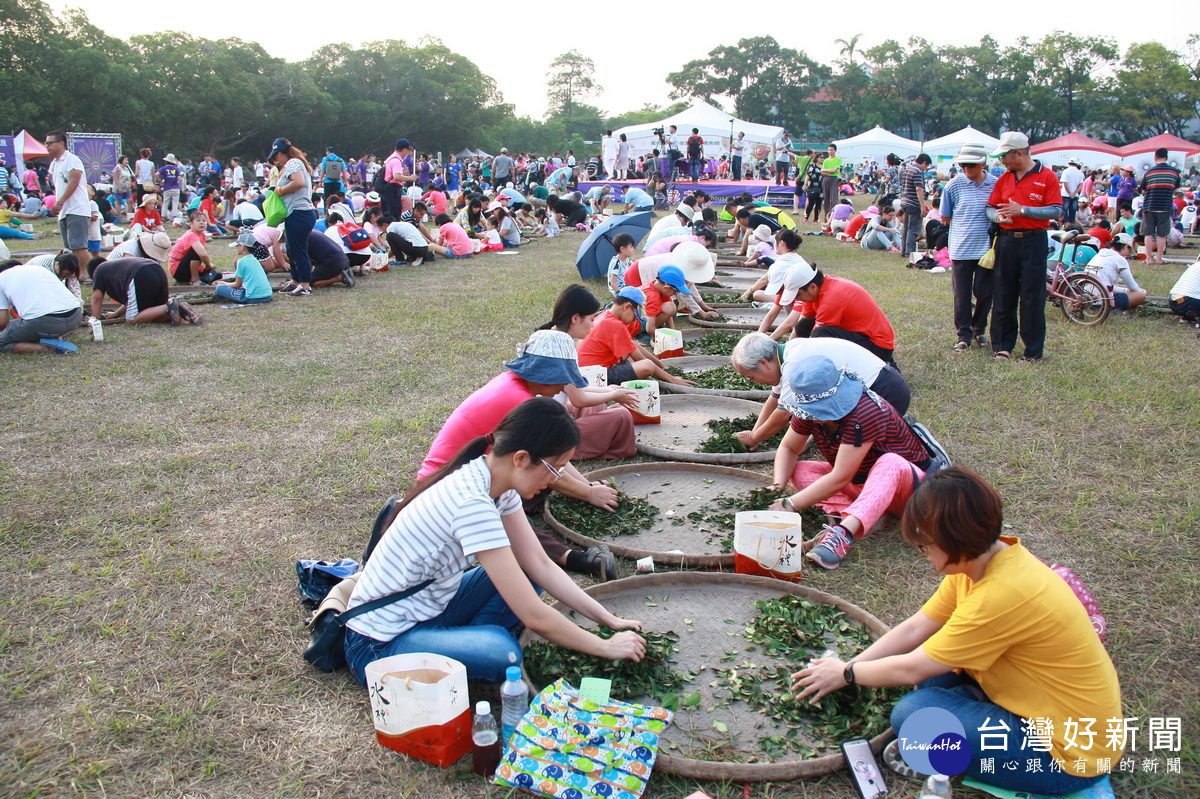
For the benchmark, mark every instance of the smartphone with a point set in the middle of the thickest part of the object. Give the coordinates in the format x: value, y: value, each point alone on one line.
x: 864, y: 769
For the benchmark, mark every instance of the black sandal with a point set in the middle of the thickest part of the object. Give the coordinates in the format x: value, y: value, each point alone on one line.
x: 962, y: 346
x: 1003, y: 356
x: 981, y: 341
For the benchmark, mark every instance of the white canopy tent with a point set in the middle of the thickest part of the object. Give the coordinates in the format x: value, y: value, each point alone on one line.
x: 874, y: 145
x: 715, y: 127
x: 948, y: 146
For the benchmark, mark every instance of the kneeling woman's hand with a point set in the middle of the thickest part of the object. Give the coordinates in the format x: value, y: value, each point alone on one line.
x: 823, y: 676
x: 626, y: 645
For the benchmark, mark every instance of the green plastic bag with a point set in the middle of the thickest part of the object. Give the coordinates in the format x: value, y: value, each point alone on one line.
x: 273, y: 209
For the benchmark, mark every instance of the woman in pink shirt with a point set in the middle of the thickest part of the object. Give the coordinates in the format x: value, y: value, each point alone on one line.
x: 453, y: 241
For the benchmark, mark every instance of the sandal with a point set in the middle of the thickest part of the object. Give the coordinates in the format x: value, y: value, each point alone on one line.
x: 981, y: 340
x: 1003, y: 356
x: 962, y: 346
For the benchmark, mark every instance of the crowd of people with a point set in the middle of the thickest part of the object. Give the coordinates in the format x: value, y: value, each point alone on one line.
x: 466, y: 538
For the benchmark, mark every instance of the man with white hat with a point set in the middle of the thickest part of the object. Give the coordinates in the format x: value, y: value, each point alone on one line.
x: 964, y: 209
x: 1024, y: 201
x: 1072, y: 179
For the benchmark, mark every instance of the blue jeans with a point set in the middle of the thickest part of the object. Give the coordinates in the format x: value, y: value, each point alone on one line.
x: 476, y: 629
x: 695, y: 165
x: 296, y: 226
x: 962, y: 696
x: 238, y: 295
x: 7, y: 232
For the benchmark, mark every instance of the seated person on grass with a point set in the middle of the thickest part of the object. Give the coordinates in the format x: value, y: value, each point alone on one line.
x: 506, y: 226
x: 839, y: 220
x: 453, y: 241
x: 544, y: 366
x: 338, y: 231
x: 763, y: 242
x: 761, y: 358
x: 155, y: 246
x: 689, y: 257
x: 147, y: 218
x: 249, y: 284
x: 1002, y: 641
x: 767, y: 287
x: 330, y: 265
x: 9, y: 227
x: 1127, y: 222
x: 624, y: 246
x: 1184, y: 297
x: 853, y: 231
x: 1111, y: 265
x: 189, y: 262
x: 609, y: 344
x: 834, y: 307
x: 872, y: 458
x: 65, y: 267
x: 880, y: 233
x: 48, y: 311
x: 139, y: 287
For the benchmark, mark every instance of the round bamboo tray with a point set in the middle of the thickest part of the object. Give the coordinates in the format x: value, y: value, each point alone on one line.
x: 700, y: 363
x: 683, y: 428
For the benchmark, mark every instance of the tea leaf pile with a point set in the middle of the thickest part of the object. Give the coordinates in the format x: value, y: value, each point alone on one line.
x: 793, y: 627
x: 719, y: 342
x: 633, y: 515
x: 652, y: 676
x: 722, y: 377
x: 717, y: 518
x: 725, y: 430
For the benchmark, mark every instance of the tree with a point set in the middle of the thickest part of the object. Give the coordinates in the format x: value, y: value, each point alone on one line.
x: 1066, y: 64
x: 766, y: 82
x: 569, y: 82
x: 1153, y: 92
x: 848, y: 47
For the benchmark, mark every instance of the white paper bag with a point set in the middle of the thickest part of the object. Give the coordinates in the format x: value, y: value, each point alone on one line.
x: 420, y: 706
x: 648, y: 411
x: 597, y: 376
x: 768, y: 543
x: 668, y: 343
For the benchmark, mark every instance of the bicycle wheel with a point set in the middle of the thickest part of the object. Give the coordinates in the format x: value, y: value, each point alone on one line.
x: 1085, y: 301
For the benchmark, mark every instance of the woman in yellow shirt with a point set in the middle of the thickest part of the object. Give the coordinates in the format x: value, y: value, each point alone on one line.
x: 8, y: 230
x: 1003, y: 640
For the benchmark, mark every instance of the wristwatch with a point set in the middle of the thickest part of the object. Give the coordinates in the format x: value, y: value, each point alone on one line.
x: 848, y: 674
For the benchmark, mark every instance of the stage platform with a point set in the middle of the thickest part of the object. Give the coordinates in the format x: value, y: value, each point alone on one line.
x: 758, y: 189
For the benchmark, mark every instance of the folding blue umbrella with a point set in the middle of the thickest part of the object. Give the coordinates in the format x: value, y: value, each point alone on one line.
x: 597, y: 249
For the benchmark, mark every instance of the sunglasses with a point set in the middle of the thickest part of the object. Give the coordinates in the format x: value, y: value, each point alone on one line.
x: 558, y: 473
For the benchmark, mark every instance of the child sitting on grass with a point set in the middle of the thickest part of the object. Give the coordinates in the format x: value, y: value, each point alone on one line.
x: 609, y: 344
x: 763, y: 241
x: 249, y: 284
x: 453, y: 240
x: 624, y: 245
x: 188, y: 254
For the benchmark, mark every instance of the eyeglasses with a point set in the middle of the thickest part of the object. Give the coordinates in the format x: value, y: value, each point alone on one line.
x: 54, y: 141
x: 558, y: 473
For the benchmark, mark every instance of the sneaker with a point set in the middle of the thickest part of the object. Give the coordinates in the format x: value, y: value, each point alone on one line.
x: 59, y: 345
x: 299, y: 291
x: 189, y: 315
x: 418, y: 262
x: 173, y: 311
x: 287, y: 287
x: 835, y: 543
x: 348, y: 278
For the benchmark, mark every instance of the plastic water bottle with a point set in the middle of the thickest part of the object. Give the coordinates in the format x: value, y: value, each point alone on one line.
x: 937, y: 787
x: 486, y: 756
x: 514, y: 701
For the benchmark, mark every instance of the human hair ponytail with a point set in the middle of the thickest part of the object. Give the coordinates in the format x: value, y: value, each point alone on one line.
x: 574, y: 299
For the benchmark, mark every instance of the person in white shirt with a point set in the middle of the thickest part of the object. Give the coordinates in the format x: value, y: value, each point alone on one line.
x: 47, y: 311
x: 238, y: 175
x: 1184, y: 296
x: 71, y: 204
x: 1111, y: 265
x: 1071, y: 180
x: 461, y: 538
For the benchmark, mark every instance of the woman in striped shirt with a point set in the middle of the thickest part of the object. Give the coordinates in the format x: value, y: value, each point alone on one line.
x: 462, y: 531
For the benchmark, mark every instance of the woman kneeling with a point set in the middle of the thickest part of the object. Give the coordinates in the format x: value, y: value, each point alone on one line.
x: 1003, y: 645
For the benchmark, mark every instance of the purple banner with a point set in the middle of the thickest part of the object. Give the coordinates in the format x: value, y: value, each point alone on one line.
x: 98, y: 151
x: 8, y: 150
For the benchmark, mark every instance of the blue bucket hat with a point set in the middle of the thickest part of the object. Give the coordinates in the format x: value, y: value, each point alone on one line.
x: 673, y: 276
x: 549, y: 358
x: 815, y: 388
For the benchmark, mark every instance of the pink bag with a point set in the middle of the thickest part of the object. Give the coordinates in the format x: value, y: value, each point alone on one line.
x: 1099, y: 623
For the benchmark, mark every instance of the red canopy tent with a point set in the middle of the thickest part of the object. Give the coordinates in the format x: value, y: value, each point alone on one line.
x: 1141, y: 154
x: 31, y: 147
x: 1090, y: 152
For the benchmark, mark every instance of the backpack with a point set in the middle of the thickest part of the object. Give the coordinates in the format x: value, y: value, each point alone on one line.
x: 333, y: 170
x: 380, y: 181
x: 353, y: 236
x: 693, y: 147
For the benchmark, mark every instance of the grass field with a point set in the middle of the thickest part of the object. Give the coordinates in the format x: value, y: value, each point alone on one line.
x: 158, y: 487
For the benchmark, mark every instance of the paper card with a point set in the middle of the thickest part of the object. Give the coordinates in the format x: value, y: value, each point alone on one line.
x: 595, y: 690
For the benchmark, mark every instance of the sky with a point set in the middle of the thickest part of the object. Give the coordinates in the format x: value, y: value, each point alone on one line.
x: 516, y: 50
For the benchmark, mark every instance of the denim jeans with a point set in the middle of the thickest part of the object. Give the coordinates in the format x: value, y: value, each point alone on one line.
x: 736, y: 172
x: 476, y: 629
x: 962, y: 696
x: 238, y: 295
x: 296, y: 226
x: 912, y: 228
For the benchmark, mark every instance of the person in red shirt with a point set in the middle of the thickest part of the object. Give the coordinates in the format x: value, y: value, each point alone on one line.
x: 659, y: 306
x: 609, y: 344
x: 834, y: 307
x: 1102, y: 233
x: 1023, y: 203
x: 147, y: 215
x: 856, y: 224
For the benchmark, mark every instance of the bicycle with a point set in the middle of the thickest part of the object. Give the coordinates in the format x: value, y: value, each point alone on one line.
x: 1082, y: 298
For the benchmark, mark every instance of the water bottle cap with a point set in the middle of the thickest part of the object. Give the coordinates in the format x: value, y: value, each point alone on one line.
x: 483, y: 708
x: 940, y: 778
x: 513, y: 673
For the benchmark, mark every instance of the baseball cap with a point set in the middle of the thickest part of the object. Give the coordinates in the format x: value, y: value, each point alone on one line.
x: 1127, y: 167
x: 280, y: 145
x: 633, y: 293
x: 1123, y: 238
x: 673, y: 277
x: 1012, y: 140
x: 796, y: 278
x: 402, y: 144
x: 685, y: 211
